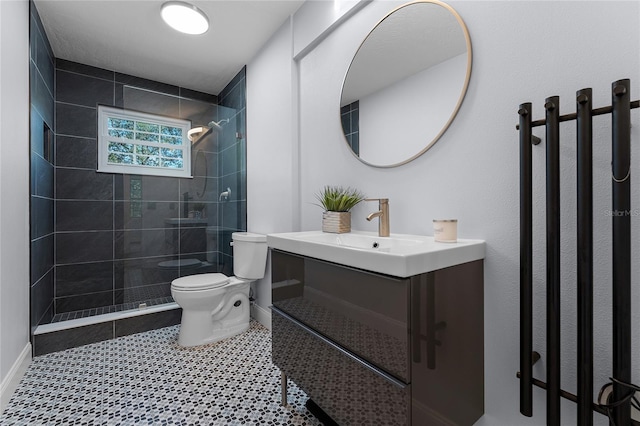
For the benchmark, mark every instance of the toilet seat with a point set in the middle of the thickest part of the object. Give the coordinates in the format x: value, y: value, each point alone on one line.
x: 200, y: 282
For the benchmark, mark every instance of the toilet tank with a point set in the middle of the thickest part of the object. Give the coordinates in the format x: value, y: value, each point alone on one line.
x: 249, y: 255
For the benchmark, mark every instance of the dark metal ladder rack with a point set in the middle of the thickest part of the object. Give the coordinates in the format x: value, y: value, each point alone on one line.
x: 621, y: 266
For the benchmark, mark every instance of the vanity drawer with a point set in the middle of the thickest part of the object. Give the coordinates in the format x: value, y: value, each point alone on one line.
x: 366, y: 313
x: 349, y: 390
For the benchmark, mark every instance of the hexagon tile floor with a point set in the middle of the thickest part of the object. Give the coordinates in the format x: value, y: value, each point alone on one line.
x: 147, y: 379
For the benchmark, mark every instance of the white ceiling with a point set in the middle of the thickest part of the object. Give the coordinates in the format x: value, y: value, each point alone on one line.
x: 130, y: 37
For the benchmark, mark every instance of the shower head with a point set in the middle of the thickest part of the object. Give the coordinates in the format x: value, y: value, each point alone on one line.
x: 217, y: 125
x: 198, y: 132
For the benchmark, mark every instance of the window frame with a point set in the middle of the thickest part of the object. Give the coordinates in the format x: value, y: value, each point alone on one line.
x: 104, y: 139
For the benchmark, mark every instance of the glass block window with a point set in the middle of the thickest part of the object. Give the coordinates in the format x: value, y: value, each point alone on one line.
x: 141, y: 143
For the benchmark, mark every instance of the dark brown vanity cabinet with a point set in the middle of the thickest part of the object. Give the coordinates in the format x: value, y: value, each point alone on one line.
x: 372, y: 349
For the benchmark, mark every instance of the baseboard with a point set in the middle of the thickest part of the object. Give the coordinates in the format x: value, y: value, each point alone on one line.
x: 10, y: 383
x: 262, y: 315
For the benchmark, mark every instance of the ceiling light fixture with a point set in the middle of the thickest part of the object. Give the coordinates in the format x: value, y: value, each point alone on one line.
x: 184, y: 17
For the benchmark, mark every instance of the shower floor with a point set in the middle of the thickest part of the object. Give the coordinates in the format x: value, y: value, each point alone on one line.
x: 85, y: 313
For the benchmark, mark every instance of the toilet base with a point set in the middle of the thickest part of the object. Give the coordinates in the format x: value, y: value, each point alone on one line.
x: 200, y: 325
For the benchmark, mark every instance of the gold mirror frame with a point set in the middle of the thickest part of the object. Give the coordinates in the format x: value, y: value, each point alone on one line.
x: 463, y: 92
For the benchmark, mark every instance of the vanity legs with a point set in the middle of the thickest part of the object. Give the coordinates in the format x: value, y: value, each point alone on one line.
x: 283, y: 387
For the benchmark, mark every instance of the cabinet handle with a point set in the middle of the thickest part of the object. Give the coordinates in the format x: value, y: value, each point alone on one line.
x: 415, y: 320
x: 432, y: 326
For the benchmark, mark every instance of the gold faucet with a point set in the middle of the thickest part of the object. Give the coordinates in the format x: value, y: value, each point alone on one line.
x: 382, y: 214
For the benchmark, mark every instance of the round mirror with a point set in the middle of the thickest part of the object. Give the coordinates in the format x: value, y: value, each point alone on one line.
x: 405, y: 83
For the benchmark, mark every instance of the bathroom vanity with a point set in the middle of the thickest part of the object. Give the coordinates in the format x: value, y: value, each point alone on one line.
x: 401, y: 347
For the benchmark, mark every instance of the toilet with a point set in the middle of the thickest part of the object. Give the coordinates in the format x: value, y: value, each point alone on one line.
x: 215, y: 306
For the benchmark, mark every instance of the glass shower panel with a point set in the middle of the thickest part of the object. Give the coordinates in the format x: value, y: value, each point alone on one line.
x: 172, y: 227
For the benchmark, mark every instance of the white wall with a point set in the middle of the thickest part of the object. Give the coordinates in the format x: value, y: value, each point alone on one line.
x: 428, y: 95
x: 316, y: 18
x: 272, y: 204
x: 523, y: 51
x: 14, y: 188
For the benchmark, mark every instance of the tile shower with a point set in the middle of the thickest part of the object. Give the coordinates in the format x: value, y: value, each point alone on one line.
x: 105, y: 242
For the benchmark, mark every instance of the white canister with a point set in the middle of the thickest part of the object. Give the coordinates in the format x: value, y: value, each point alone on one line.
x: 445, y: 231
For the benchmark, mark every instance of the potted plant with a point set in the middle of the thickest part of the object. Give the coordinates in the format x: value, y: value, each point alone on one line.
x: 337, y: 201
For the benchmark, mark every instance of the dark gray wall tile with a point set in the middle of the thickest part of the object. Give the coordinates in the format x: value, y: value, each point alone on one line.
x: 226, y: 264
x: 143, y: 83
x: 235, y: 98
x: 118, y: 100
x: 146, y: 271
x: 201, y: 190
x: 65, y: 339
x: 83, y: 301
x: 230, y: 159
x: 226, y: 237
x: 145, y: 214
x: 41, y: 217
x: 235, y: 182
x: 200, y: 96
x: 74, y: 184
x: 235, y: 81
x: 80, y: 89
x: 76, y: 152
x: 152, y: 188
x: 209, y: 263
x: 44, y: 62
x: 134, y: 295
x: 229, y: 135
x: 193, y: 240
x: 35, y: 15
x: 37, y: 133
x: 78, y: 247
x: 84, y: 278
x: 234, y: 214
x: 74, y: 120
x: 199, y: 113
x: 41, y: 257
x: 88, y: 70
x: 43, y: 177
x: 33, y: 34
x: 84, y: 215
x: 142, y: 243
x: 33, y: 173
x: 41, y: 97
x: 42, y: 299
x: 151, y: 102
x: 203, y: 164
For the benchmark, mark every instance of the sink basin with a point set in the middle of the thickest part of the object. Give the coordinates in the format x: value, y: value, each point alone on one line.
x: 399, y: 255
x: 361, y: 241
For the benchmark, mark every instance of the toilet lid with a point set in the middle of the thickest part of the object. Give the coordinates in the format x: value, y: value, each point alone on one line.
x: 200, y: 282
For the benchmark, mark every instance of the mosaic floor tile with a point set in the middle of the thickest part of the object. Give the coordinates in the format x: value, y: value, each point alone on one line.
x: 148, y: 379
